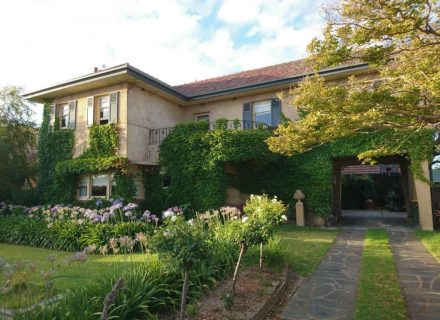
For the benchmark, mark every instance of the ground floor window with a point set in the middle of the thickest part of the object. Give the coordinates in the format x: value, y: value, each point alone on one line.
x: 100, y: 185
x: 103, y: 185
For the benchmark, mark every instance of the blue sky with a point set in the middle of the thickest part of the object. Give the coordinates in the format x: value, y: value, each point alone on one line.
x: 177, y: 41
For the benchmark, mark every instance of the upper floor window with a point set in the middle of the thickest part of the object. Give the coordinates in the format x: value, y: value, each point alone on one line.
x: 263, y: 112
x: 64, y: 116
x: 104, y: 109
x: 202, y: 117
x: 267, y: 112
x: 66, y: 113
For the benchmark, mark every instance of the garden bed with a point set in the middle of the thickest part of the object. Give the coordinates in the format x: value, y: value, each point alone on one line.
x: 253, y: 290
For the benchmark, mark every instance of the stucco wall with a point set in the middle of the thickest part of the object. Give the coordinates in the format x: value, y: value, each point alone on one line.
x: 147, y: 111
x: 233, y: 108
x: 81, y: 129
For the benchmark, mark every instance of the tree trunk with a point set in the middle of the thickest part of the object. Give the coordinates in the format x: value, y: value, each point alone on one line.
x: 261, y: 256
x: 184, y: 293
x: 234, y: 278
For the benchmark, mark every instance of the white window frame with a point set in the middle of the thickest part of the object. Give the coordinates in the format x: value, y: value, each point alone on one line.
x: 204, y: 114
x: 87, y: 196
x: 254, y: 114
x: 61, y: 112
x: 99, y: 98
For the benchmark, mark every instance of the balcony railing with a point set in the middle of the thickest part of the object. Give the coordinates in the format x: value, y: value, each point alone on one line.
x: 158, y: 135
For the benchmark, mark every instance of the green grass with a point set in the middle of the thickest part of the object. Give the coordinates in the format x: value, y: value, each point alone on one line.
x: 305, y: 246
x: 431, y: 241
x: 67, y: 276
x: 379, y: 295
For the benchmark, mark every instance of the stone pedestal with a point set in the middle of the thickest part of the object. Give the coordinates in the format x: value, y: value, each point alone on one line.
x: 300, y: 219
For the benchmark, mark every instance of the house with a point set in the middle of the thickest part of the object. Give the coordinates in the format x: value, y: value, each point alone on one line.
x: 146, y: 109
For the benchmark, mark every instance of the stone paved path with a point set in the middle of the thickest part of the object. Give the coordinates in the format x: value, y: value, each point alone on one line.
x: 419, y: 275
x: 330, y: 292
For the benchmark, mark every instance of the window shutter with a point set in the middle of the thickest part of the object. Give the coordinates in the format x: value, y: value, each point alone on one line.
x: 276, y: 112
x: 72, y: 114
x: 90, y: 111
x: 114, y: 107
x: 247, y: 116
x: 52, y: 115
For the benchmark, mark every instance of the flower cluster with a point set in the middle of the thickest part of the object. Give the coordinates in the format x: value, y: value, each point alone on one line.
x: 172, y: 213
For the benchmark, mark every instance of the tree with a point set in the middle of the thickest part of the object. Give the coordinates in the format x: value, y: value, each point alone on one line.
x: 400, y: 40
x: 17, y: 138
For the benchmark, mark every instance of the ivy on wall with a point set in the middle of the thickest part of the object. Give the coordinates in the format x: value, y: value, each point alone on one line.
x: 58, y: 172
x: 54, y: 145
x: 202, y: 163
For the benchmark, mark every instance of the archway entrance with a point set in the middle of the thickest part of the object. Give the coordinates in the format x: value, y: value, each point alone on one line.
x: 373, y: 196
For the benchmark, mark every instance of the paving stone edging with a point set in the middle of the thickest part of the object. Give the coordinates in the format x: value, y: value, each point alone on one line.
x: 273, y: 298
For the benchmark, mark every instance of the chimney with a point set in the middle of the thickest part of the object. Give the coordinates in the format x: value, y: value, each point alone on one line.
x: 95, y: 69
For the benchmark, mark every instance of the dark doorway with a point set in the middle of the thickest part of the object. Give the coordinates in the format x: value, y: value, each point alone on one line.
x: 371, y: 195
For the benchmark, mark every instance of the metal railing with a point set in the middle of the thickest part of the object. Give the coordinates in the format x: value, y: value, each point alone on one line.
x: 158, y: 135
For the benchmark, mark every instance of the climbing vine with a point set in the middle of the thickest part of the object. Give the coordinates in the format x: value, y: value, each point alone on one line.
x: 54, y: 145
x: 58, y: 172
x: 203, y: 163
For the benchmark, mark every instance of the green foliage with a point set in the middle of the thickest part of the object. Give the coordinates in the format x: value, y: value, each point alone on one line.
x: 203, y: 163
x: 187, y: 242
x: 194, y: 159
x: 400, y: 40
x: 89, y: 165
x: 54, y: 145
x: 65, y: 235
x: 125, y: 186
x: 103, y: 142
x: 155, y: 196
x: 17, y: 141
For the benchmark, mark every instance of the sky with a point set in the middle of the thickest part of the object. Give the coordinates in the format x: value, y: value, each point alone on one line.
x: 44, y: 42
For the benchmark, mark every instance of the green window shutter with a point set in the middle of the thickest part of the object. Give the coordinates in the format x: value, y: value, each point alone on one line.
x: 114, y: 99
x: 90, y: 111
x: 247, y: 116
x: 72, y: 114
x: 276, y: 111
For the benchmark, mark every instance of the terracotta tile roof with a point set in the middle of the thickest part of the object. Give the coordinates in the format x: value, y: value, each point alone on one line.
x: 245, y: 78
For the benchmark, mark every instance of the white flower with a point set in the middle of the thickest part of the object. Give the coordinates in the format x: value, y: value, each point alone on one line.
x: 168, y: 214
x: 244, y: 219
x: 283, y: 217
x: 191, y: 222
x: 173, y: 218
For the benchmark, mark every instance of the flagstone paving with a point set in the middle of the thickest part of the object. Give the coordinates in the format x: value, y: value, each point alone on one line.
x: 419, y: 275
x: 330, y: 292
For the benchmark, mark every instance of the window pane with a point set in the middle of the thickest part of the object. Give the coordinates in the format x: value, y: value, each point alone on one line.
x: 262, y: 112
x: 83, y: 191
x: 202, y: 117
x: 99, y: 185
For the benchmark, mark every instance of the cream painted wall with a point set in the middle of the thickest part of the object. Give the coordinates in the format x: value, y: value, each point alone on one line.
x: 233, y: 108
x: 146, y: 111
x: 81, y: 129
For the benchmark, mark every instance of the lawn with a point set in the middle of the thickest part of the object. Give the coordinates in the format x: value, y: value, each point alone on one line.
x: 305, y: 246
x: 379, y: 295
x: 304, y: 249
x: 431, y: 241
x: 67, y: 275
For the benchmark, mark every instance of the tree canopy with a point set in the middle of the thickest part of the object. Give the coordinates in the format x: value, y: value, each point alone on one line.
x: 17, y: 138
x: 400, y: 40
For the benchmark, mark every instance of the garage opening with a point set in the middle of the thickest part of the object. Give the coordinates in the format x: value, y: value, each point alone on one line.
x: 373, y: 195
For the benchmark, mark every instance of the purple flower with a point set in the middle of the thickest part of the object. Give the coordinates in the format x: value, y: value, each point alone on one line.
x: 130, y: 206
